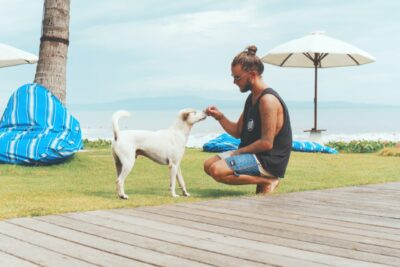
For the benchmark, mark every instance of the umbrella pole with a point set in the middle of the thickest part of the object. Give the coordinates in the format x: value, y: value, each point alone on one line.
x: 315, y: 96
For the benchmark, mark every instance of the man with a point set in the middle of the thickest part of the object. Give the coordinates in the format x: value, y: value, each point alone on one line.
x: 263, y: 127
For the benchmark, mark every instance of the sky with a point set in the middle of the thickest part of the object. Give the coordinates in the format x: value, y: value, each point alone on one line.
x: 124, y: 49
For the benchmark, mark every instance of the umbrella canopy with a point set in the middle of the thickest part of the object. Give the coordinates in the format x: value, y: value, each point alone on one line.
x: 10, y: 56
x: 317, y: 50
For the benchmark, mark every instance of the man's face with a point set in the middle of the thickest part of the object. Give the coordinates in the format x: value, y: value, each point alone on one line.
x: 241, y: 78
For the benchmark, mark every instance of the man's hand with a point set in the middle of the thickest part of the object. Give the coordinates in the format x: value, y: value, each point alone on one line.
x: 235, y: 152
x: 214, y: 112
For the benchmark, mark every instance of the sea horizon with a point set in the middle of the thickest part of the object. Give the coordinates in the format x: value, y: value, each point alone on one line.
x: 340, y: 124
x: 342, y: 121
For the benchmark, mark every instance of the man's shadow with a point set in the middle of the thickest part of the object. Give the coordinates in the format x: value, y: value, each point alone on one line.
x: 216, y: 193
x: 200, y: 193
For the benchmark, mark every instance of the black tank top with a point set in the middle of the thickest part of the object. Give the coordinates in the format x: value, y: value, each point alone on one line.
x: 275, y: 160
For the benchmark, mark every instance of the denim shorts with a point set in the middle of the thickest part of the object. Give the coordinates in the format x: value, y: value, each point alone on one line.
x: 244, y: 164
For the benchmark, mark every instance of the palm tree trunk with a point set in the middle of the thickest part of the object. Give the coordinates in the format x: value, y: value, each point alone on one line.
x: 51, y: 67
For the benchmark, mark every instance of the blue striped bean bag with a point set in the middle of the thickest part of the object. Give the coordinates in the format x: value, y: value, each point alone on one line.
x: 37, y: 129
x: 309, y: 146
x: 226, y: 142
x: 222, y: 143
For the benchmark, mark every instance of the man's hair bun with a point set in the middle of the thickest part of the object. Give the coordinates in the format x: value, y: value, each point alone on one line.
x: 251, y: 50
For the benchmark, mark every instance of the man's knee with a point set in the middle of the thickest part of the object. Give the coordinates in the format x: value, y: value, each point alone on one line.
x: 208, y: 163
x: 216, y: 172
x: 207, y: 167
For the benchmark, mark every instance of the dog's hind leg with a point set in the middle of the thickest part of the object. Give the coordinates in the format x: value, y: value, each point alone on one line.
x: 125, y: 170
x: 173, y: 170
x: 125, y: 166
x: 118, y: 164
x: 182, y: 182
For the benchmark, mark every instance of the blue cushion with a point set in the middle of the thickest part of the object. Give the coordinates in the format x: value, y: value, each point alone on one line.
x: 226, y: 142
x: 37, y: 129
x: 309, y: 146
x: 223, y: 142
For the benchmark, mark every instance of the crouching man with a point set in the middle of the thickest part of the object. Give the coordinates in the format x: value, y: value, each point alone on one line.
x: 263, y: 127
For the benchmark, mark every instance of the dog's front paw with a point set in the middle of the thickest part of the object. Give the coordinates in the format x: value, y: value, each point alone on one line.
x: 174, y: 195
x: 123, y: 196
x: 186, y: 194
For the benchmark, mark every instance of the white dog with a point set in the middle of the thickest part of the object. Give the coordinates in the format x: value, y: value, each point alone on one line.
x: 164, y: 147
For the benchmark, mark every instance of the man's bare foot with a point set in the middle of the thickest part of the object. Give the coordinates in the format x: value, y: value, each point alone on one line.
x: 267, y: 188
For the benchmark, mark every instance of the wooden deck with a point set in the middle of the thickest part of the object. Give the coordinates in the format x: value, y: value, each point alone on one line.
x: 353, y: 226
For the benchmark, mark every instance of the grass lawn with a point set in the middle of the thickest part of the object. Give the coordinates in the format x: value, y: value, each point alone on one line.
x: 87, y: 181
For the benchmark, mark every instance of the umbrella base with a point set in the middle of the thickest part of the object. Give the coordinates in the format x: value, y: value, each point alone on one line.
x: 315, y: 131
x: 315, y: 134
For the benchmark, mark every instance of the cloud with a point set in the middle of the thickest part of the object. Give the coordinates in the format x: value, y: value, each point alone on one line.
x: 127, y: 48
x: 160, y: 35
x: 19, y: 18
x: 139, y: 10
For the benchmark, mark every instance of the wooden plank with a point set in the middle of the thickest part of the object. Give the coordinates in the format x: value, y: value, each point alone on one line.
x: 244, y: 243
x: 146, y: 228
x: 323, y: 198
x: 392, y: 187
x: 369, y: 201
x: 347, y: 206
x: 378, y: 190
x: 277, y: 211
x: 275, y: 223
x: 171, y: 218
x: 376, y: 198
x: 353, y: 226
x: 275, y: 214
x: 9, y: 260
x: 37, y: 255
x: 389, y: 186
x: 269, y: 230
x: 334, y: 202
x: 154, y: 244
x: 335, y: 213
x: 375, y: 189
x: 342, y: 206
x: 114, y: 247
x: 72, y: 249
x: 344, y: 216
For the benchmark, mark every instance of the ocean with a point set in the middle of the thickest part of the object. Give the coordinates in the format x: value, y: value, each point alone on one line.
x: 341, y: 124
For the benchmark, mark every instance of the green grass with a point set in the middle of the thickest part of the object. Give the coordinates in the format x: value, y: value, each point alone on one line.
x: 87, y: 182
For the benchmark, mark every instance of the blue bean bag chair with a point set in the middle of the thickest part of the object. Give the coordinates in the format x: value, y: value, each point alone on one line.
x: 309, y: 146
x: 37, y: 129
x: 226, y: 142
x: 223, y: 142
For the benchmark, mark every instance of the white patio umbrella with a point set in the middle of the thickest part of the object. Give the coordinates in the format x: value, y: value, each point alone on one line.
x: 316, y: 50
x: 10, y: 56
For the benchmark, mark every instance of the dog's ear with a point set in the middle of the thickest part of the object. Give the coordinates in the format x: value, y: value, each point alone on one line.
x: 185, y: 116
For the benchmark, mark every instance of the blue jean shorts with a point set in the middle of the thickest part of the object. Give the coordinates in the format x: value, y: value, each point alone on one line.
x: 244, y: 164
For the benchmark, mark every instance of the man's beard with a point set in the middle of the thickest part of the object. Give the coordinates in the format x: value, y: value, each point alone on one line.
x: 248, y: 87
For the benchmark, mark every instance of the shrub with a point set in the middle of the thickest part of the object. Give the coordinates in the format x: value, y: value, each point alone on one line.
x: 390, y: 152
x: 99, y: 143
x: 360, y: 146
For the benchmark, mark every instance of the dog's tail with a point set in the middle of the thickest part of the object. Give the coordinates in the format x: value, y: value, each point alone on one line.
x: 115, y: 118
